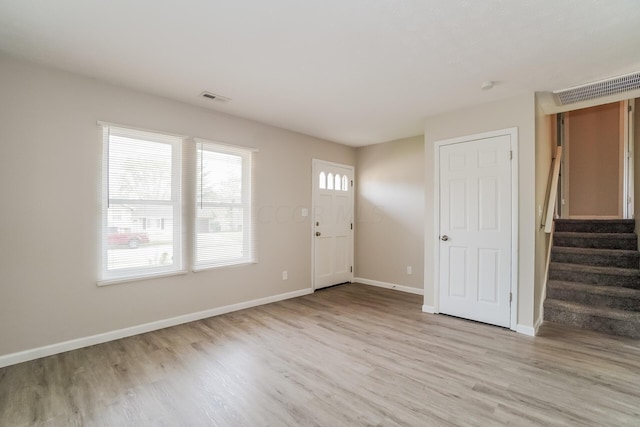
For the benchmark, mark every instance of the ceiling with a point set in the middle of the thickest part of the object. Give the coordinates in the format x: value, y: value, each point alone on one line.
x: 357, y: 72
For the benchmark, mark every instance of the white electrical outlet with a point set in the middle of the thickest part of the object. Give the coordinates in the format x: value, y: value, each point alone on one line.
x: 409, y: 270
x: 285, y: 275
x: 304, y: 212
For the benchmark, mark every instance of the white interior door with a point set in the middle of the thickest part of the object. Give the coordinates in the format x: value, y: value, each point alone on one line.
x: 332, y: 223
x: 475, y: 229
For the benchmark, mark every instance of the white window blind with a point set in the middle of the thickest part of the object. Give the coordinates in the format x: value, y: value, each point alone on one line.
x: 141, y: 214
x: 224, y: 222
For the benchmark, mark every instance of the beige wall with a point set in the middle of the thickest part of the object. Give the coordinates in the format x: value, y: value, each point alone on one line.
x: 594, y: 154
x: 390, y: 212
x: 50, y: 160
x: 545, y: 150
x: 513, y: 112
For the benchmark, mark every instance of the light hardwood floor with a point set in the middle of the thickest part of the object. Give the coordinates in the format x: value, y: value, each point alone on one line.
x: 349, y: 355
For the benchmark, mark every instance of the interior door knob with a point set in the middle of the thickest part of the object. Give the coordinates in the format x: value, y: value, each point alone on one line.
x: 318, y: 233
x: 444, y: 238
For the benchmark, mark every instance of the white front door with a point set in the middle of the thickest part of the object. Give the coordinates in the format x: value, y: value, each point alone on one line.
x: 332, y: 223
x: 475, y: 229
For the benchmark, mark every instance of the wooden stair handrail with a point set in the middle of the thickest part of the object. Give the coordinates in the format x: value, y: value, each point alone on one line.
x: 553, y: 192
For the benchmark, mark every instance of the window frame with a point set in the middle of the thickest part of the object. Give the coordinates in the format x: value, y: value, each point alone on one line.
x: 247, y: 203
x: 176, y: 143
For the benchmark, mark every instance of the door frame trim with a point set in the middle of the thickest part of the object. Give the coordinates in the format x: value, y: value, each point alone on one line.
x: 627, y: 115
x: 513, y: 134
x: 314, y: 190
x: 626, y: 167
x: 565, y: 162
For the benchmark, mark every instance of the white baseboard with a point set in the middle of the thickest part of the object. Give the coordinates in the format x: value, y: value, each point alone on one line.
x: 48, y: 350
x: 386, y: 285
x: 428, y: 309
x: 526, y: 330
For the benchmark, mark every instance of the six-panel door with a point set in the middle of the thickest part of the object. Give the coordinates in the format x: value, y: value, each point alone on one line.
x: 475, y: 230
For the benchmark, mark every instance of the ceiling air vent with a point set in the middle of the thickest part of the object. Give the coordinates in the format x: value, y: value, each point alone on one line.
x: 598, y: 89
x: 214, y: 97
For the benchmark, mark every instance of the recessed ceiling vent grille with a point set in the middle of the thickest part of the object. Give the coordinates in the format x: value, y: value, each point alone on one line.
x: 214, y: 97
x: 598, y: 89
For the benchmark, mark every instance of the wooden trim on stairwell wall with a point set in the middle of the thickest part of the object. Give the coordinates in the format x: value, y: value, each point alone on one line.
x: 552, y: 199
x: 545, y: 279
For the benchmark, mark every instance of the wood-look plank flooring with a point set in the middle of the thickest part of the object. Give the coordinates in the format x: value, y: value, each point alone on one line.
x: 346, y: 356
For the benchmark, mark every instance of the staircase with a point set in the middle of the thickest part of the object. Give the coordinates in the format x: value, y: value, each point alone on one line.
x: 594, y: 276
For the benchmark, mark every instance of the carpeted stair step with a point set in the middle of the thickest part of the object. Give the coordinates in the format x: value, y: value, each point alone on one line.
x: 595, y: 225
x: 625, y: 241
x: 608, y: 320
x: 605, y: 276
x: 594, y: 295
x: 598, y: 257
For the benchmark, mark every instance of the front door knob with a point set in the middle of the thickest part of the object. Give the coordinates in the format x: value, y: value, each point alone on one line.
x: 445, y: 238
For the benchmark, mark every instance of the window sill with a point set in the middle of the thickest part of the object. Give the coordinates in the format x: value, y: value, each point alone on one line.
x: 139, y: 278
x: 214, y: 267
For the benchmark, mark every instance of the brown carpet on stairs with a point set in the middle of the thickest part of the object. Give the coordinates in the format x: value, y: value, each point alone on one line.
x: 594, y: 276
